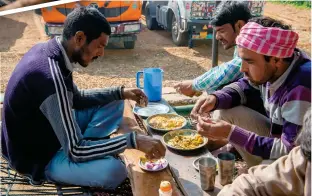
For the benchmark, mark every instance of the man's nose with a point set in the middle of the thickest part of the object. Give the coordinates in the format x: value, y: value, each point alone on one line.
x: 100, y: 52
x: 244, y: 67
x: 218, y: 36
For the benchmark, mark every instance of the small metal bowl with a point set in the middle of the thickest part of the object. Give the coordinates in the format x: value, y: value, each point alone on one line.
x: 151, y: 170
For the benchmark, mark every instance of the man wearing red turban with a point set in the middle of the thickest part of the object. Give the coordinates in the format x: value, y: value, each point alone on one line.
x: 278, y: 76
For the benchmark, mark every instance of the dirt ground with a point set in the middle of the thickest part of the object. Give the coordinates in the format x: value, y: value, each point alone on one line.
x: 19, y: 32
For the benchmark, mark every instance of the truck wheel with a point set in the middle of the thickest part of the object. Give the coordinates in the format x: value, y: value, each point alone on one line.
x: 178, y: 38
x: 129, y: 44
x: 151, y: 22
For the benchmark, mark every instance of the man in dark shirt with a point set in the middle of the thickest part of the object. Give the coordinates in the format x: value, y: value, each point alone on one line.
x: 53, y: 131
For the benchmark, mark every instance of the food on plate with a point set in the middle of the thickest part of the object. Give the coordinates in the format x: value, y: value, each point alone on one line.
x: 186, y: 141
x: 155, y: 164
x: 167, y: 122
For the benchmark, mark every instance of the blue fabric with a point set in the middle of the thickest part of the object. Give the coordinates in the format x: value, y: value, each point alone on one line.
x: 94, y: 122
x: 100, y: 121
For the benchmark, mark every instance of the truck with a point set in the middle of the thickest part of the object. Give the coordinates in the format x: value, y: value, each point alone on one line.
x: 123, y: 16
x: 187, y: 20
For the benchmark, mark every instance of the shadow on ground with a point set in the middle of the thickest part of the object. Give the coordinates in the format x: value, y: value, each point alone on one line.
x: 124, y: 63
x: 10, y: 31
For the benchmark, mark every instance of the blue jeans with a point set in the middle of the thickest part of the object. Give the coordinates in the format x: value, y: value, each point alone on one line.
x: 108, y: 172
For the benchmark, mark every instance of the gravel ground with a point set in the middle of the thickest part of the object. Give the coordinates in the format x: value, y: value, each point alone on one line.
x: 21, y: 31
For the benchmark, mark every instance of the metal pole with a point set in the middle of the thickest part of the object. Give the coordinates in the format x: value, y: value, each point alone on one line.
x: 214, y: 49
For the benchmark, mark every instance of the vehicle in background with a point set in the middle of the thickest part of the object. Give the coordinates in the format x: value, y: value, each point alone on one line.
x: 124, y: 17
x: 186, y: 20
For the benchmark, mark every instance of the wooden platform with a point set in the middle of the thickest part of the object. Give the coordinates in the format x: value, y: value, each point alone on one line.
x: 183, y: 177
x: 143, y: 183
x: 181, y: 174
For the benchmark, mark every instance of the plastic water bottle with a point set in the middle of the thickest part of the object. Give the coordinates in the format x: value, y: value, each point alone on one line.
x: 165, y: 189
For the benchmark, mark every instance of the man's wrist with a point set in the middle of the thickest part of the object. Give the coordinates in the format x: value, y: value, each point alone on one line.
x: 134, y: 139
x: 122, y: 89
x: 232, y: 127
x: 194, y: 88
x: 216, y: 104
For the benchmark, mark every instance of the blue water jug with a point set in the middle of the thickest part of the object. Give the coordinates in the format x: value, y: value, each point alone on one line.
x: 152, y: 86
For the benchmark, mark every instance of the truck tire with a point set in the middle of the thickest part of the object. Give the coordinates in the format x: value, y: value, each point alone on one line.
x: 178, y: 38
x: 151, y: 22
x: 129, y: 44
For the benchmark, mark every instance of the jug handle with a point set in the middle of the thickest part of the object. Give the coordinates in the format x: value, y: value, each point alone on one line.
x: 138, y: 74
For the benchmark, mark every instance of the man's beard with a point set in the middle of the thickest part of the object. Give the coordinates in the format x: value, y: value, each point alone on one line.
x: 271, y: 75
x: 77, y: 57
x: 255, y: 83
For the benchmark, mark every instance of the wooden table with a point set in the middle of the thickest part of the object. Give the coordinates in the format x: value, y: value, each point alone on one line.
x: 181, y: 173
x: 142, y: 183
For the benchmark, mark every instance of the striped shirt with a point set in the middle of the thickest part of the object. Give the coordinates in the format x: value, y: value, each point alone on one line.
x: 38, y: 114
x: 285, y: 101
x: 220, y: 75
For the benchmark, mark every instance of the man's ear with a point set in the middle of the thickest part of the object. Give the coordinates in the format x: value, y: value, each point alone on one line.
x: 80, y: 38
x: 238, y: 25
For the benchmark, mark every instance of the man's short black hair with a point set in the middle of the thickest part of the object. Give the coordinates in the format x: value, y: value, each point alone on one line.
x: 229, y: 12
x: 88, y: 20
x: 270, y: 22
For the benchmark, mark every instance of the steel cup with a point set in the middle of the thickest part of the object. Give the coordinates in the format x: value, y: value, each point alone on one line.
x: 226, y: 168
x: 207, y: 171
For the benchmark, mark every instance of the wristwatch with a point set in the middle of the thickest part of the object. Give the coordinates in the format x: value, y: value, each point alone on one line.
x: 134, y: 140
x: 122, y: 91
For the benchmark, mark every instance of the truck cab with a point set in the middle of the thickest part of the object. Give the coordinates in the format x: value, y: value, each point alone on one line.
x: 186, y: 20
x: 123, y: 16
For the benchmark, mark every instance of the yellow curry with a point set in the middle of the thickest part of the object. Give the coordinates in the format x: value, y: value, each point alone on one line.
x: 186, y: 141
x: 166, y: 122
